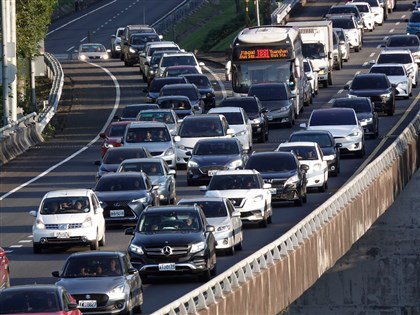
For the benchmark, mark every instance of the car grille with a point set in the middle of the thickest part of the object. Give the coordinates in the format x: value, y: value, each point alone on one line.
x: 118, y: 205
x: 94, y: 57
x: 71, y: 240
x: 156, y: 153
x: 179, y: 250
x: 276, y: 183
x: 205, y: 169
x: 63, y: 226
x: 237, y: 202
x: 101, y: 299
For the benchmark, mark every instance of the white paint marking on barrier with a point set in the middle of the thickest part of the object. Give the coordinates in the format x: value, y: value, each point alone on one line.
x: 330, y: 101
x: 357, y: 72
x: 403, y: 16
x: 379, y: 46
x: 348, y: 82
x: 398, y: 23
x: 25, y: 241
x: 16, y: 246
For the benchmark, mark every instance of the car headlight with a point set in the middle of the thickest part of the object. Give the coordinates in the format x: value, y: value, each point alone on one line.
x: 82, y: 57
x: 162, y: 184
x: 192, y: 163
x: 258, y: 198
x: 240, y: 133
x: 197, y: 247
x: 354, y: 134
x: 329, y: 157
x: 317, y: 167
x: 151, y: 72
x: 256, y: 121
x: 234, y: 164
x: 209, y: 95
x: 169, y: 151
x: 181, y: 147
x: 292, y: 180
x: 386, y: 95
x: 108, y: 145
x: 132, y: 50
x: 87, y: 222
x: 39, y: 224
x: 223, y: 228
x: 116, y: 292
x: 136, y: 249
x: 117, y: 47
x: 140, y: 200
x: 322, y: 71
x: 105, y: 57
x: 285, y: 108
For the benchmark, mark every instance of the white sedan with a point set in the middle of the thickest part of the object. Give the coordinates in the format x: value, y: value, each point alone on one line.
x: 238, y: 120
x: 92, y: 51
x: 309, y: 153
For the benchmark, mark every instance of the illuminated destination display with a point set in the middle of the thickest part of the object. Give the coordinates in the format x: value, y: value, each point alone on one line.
x: 261, y: 53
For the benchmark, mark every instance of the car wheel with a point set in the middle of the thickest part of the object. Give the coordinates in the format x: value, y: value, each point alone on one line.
x: 390, y: 112
x: 231, y: 250
x: 138, y: 309
x: 261, y: 138
x: 240, y: 245
x: 94, y: 245
x: 263, y: 223
x: 361, y: 153
x: 322, y: 188
x: 330, y: 79
x: 37, y: 248
x: 305, y: 198
x: 356, y: 49
x: 190, y: 182
x: 310, y: 99
x: 270, y: 219
x: 205, y: 276
x: 103, y: 240
x: 325, y: 84
x: 299, y: 202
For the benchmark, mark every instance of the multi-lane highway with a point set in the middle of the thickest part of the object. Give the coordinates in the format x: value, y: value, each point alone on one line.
x: 91, y: 96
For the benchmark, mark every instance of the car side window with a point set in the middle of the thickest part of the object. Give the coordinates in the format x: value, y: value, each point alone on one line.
x: 95, y: 202
x: 230, y: 208
x: 126, y: 264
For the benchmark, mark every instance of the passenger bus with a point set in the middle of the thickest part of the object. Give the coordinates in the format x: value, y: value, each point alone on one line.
x: 270, y: 53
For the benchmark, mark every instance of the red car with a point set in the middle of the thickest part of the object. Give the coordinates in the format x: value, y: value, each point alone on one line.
x: 4, y: 270
x: 112, y: 135
x: 37, y: 299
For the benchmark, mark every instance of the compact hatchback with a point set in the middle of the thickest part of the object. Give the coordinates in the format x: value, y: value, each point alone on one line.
x: 92, y: 51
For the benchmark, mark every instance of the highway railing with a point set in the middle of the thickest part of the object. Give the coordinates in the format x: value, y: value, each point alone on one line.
x: 276, y: 275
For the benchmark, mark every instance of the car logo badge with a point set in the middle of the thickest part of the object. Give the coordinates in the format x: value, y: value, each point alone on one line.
x: 117, y: 204
x: 87, y: 296
x: 233, y: 202
x: 167, y: 251
x: 63, y: 226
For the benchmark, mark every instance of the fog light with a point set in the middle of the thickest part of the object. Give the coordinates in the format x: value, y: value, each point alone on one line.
x: 120, y: 305
x: 332, y: 168
x: 43, y: 240
x: 225, y: 241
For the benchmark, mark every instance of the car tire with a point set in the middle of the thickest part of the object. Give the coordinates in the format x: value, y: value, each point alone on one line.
x: 305, y: 198
x: 263, y: 223
x: 240, y: 245
x: 322, y: 188
x: 298, y: 202
x: 311, y: 100
x: 37, y: 248
x: 102, y: 242
x: 205, y: 276
x: 270, y: 219
x: 261, y: 137
x: 94, y: 245
x: 231, y: 250
x: 190, y: 182
x: 356, y: 49
x: 361, y: 153
x: 325, y: 84
x: 390, y: 112
x: 266, y: 134
x: 330, y: 79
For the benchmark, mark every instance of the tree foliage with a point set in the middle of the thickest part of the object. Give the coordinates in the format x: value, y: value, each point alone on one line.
x: 32, y: 20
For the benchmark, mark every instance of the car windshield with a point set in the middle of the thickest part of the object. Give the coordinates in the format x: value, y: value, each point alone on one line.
x: 92, y: 48
x: 132, y: 111
x: 168, y: 61
x: 165, y: 117
x: 314, y: 51
x: 117, y: 156
x: 188, y: 92
x: 175, y: 104
x: 154, y: 134
x: 415, y: 17
x: 402, y: 41
x: 156, y: 58
x: 176, y: 221
x: 343, y: 23
x: 141, y: 39
x: 373, y: 3
x: 394, y: 58
x: 332, y: 118
x: 174, y: 72
x: 249, y: 105
x: 212, y: 209
x: 28, y: 300
x: 116, y: 130
x: 227, y: 182
x: 307, y: 153
x: 390, y: 71
x: 150, y: 168
x: 268, y: 93
x: 369, y: 83
x: 201, y: 128
x: 216, y: 148
x: 120, y: 183
x: 199, y: 81
x: 234, y: 118
x: 363, y: 8
x: 323, y: 140
x: 272, y: 163
x: 60, y: 205
x: 96, y: 266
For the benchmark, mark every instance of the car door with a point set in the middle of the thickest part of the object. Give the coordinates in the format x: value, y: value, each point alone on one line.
x: 133, y: 279
x: 235, y: 220
x: 98, y: 215
x: 323, y: 162
x: 248, y: 126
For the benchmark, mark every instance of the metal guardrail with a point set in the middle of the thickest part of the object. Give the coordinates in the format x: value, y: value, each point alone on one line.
x: 279, y: 15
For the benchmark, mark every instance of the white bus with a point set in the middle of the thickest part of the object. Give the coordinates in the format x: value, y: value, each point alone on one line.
x: 270, y: 53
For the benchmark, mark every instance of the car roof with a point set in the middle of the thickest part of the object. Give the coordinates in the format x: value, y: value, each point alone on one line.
x: 269, y: 84
x: 202, y: 199
x: 179, y: 86
x: 68, y: 193
x: 333, y: 109
x: 139, y: 105
x: 138, y: 160
x: 237, y: 172
x: 158, y: 110
x: 381, y: 65
x: 298, y: 144
x: 171, y: 208
x: 395, y: 51
x: 97, y: 254
x: 362, y: 75
x: 315, y: 132
x: 124, y: 174
x: 270, y: 154
x: 147, y: 124
x: 227, y: 109
x: 203, y: 117
x: 32, y: 287
x: 173, y: 97
x: 232, y: 139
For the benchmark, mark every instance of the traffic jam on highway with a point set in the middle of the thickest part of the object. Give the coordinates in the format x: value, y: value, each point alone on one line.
x: 184, y: 132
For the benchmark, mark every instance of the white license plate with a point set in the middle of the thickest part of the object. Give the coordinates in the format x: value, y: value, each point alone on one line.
x: 211, y: 173
x: 273, y: 191
x: 167, y: 267
x: 87, y: 304
x: 116, y: 213
x: 63, y: 235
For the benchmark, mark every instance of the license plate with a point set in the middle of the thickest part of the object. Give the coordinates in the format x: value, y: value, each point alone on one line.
x: 63, y: 235
x: 87, y: 303
x: 273, y: 191
x: 211, y: 173
x: 167, y: 267
x: 116, y: 213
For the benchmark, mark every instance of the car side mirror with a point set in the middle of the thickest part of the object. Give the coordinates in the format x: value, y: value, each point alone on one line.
x: 177, y: 138
x: 132, y: 271
x: 172, y: 172
x: 236, y: 214
x: 341, y: 42
x: 264, y: 110
x: 56, y: 274
x: 267, y: 186
x: 129, y: 231
x: 230, y: 131
x: 201, y: 64
x: 117, y: 117
x: 203, y: 188
x: 102, y: 135
x: 197, y: 107
x: 383, y: 44
x: 210, y: 228
x: 309, y: 77
x: 113, y: 36
x: 372, y: 62
x: 72, y: 306
x: 33, y: 213
x: 302, y: 125
x: 304, y: 167
x: 338, y: 145
x: 188, y: 153
x: 347, y: 87
x: 406, y: 20
x: 145, y: 90
x: 97, y: 163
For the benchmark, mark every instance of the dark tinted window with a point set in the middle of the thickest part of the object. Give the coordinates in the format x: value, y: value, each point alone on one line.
x: 388, y: 70
x: 234, y: 118
x: 315, y: 50
x: 362, y: 8
x: 332, y: 118
x: 156, y: 116
x: 302, y: 153
x: 116, y: 130
x: 141, y: 39
x: 369, y: 82
x: 175, y: 104
x: 101, y: 266
x: 343, y: 23
x: 132, y: 111
x: 268, y: 92
x: 180, y: 220
x: 224, y: 182
x: 178, y: 60
x: 272, y: 163
x: 156, y: 134
x: 158, y: 83
x: 199, y: 81
x: 27, y: 300
x: 201, y: 128
x: 120, y: 183
x: 150, y: 168
x: 394, y: 58
x: 359, y: 105
x: 211, y: 209
x: 189, y: 92
x: 216, y: 148
x: 249, y: 105
x: 322, y: 139
x: 117, y: 156
x: 343, y: 9
x: 306, y: 67
x: 401, y: 41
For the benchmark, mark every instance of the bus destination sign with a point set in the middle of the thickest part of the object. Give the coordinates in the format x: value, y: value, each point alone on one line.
x: 262, y: 53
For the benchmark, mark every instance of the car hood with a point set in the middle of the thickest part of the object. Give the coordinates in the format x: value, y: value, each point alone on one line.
x: 395, y: 79
x: 218, y: 221
x: 64, y: 218
x: 108, y: 167
x: 277, y: 175
x: 204, y: 160
x: 121, y: 195
x: 336, y: 131
x: 275, y: 104
x: 90, y: 284
x: 369, y: 92
x: 234, y: 193
x: 163, y: 238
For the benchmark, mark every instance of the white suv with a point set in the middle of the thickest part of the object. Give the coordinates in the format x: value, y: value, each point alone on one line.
x: 403, y: 56
x: 349, y: 25
x: 68, y: 217
x: 180, y: 58
x: 247, y: 192
x: 367, y: 14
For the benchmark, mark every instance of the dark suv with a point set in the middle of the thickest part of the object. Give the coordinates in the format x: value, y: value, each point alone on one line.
x: 173, y: 240
x: 285, y: 174
x: 136, y: 44
x: 128, y: 31
x: 255, y: 111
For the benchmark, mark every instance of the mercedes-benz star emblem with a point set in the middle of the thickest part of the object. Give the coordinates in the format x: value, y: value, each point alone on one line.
x: 167, y: 250
x: 88, y: 296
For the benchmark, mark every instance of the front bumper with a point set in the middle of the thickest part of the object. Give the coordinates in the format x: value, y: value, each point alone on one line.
x: 76, y: 236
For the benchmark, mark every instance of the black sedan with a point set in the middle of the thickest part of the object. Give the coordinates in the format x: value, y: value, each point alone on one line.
x: 205, y: 87
x: 102, y: 282
x: 365, y: 113
x: 285, y: 174
x: 124, y: 196
x: 326, y: 141
x: 211, y: 155
x: 173, y: 240
x: 377, y: 87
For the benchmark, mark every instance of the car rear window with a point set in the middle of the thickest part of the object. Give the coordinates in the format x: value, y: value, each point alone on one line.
x: 388, y: 70
x: 211, y: 209
x: 216, y: 148
x: 343, y: 23
x: 120, y: 183
x: 249, y: 105
x: 359, y: 106
x: 322, y: 139
x: 234, y: 118
x: 189, y: 92
x: 192, y: 128
x: 132, y: 111
x: 402, y: 41
x: 168, y: 61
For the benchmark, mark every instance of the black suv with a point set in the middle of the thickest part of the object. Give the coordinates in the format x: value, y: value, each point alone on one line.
x: 285, y: 174
x: 128, y: 31
x: 173, y: 240
x: 136, y: 44
x: 255, y: 111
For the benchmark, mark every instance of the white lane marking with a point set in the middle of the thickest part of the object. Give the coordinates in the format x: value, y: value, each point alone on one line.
x: 384, y: 139
x: 25, y: 241
x: 391, y: 30
x: 379, y: 46
x: 340, y: 91
x: 357, y: 72
x: 222, y: 87
x: 364, y: 64
x: 83, y: 39
x: 110, y: 118
x: 16, y: 246
x: 8, y: 251
x: 372, y: 54
x: 80, y: 17
x: 70, y: 48
x: 403, y: 16
x: 398, y: 23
